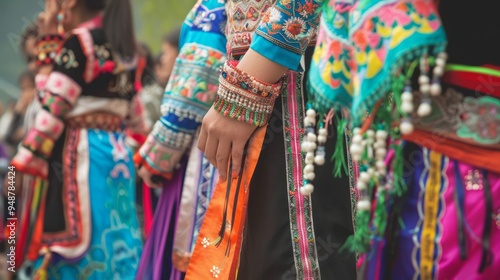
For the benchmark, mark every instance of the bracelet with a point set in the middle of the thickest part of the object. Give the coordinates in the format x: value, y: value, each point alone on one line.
x: 242, y: 97
x: 46, y: 49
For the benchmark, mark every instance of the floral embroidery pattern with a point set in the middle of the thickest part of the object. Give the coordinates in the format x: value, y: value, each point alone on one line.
x: 196, y: 72
x: 356, y: 42
x: 291, y: 23
x: 243, y: 19
x: 473, y: 180
x: 215, y: 271
x: 482, y: 120
x: 67, y: 59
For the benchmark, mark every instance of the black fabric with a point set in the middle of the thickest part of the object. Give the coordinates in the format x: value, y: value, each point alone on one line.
x: 54, y: 220
x: 472, y: 29
x: 267, y: 244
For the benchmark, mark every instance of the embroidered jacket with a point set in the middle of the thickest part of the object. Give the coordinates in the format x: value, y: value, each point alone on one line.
x: 279, y: 30
x: 89, y: 86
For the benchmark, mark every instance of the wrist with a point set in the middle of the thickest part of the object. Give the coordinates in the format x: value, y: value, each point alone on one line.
x: 244, y: 98
x: 46, y: 49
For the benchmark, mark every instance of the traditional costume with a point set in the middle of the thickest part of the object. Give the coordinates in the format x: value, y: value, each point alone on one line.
x: 426, y: 120
x: 82, y: 222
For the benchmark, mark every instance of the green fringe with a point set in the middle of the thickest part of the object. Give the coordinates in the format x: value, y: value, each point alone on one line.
x: 380, y: 216
x: 359, y: 242
x: 339, y: 155
x: 397, y: 169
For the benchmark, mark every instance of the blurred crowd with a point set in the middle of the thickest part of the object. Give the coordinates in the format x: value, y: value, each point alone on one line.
x: 17, y: 116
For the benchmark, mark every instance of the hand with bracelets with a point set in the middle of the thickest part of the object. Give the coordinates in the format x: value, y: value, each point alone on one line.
x: 245, y: 101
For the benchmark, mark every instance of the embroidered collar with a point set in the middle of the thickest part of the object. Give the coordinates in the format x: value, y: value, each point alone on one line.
x: 93, y: 23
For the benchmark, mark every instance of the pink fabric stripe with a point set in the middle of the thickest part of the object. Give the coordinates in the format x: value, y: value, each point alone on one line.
x: 297, y: 174
x: 147, y: 206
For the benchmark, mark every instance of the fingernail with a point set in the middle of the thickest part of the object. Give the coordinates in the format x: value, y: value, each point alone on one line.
x: 234, y: 174
x: 222, y: 178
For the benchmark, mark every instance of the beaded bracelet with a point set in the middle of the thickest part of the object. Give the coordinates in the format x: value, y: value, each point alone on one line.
x: 242, y: 97
x: 46, y: 49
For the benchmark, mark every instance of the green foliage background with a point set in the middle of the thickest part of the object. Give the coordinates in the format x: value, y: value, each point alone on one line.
x: 152, y: 19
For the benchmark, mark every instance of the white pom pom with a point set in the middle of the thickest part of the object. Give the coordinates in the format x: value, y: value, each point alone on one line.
x: 370, y: 134
x: 310, y: 156
x: 311, y: 137
x: 323, y: 132
x: 356, y: 130
x: 310, y: 176
x: 423, y: 79
x: 309, y: 160
x: 307, y: 189
x: 424, y: 109
x: 309, y: 168
x: 356, y: 149
x: 438, y: 71
x: 440, y: 62
x: 364, y: 205
x: 406, y: 127
x: 443, y: 55
x: 380, y: 164
x: 371, y: 171
x: 305, y: 146
x: 319, y: 160
x: 381, y: 135
x: 361, y: 185
x: 425, y: 88
x: 435, y: 89
x: 321, y: 139
x: 357, y: 139
x: 407, y: 97
x: 364, y: 177
x: 312, y: 147
x: 407, y: 107
x: 311, y: 113
x: 380, y: 153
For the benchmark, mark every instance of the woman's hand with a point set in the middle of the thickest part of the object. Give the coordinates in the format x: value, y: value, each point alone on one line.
x: 47, y: 20
x: 222, y: 137
x: 147, y: 178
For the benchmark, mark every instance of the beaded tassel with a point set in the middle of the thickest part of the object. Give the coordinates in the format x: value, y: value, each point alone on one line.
x: 309, y: 146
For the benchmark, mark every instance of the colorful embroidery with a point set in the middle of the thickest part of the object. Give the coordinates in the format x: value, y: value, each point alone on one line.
x: 54, y: 103
x: 473, y: 180
x: 209, y: 20
x: 481, y: 120
x: 290, y: 24
x: 433, y: 183
x: 195, y: 74
x: 63, y: 86
x: 358, y: 41
x: 67, y: 59
x: 300, y: 208
x: 243, y: 19
x: 48, y: 124
x: 38, y: 143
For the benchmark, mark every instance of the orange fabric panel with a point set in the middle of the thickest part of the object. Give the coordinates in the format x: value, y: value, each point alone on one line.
x: 209, y: 261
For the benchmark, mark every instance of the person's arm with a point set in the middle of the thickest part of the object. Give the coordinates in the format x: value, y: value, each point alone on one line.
x: 278, y: 45
x: 57, y: 95
x: 189, y: 93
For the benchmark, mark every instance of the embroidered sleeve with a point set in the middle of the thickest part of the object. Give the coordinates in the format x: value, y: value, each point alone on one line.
x: 190, y: 91
x: 285, y: 31
x: 57, y: 94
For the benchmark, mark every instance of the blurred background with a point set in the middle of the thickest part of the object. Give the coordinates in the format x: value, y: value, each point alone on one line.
x: 152, y: 18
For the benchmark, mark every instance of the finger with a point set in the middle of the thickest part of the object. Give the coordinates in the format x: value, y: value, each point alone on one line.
x: 202, y: 139
x: 211, y: 149
x: 222, y: 158
x: 237, y: 154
